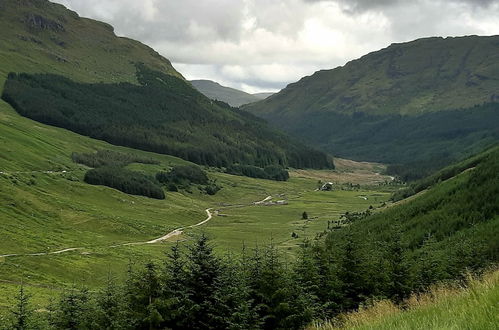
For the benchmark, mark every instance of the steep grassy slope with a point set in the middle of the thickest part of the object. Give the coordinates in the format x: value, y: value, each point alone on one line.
x: 215, y: 91
x: 445, y: 307
x: 421, y: 105
x: 425, y: 75
x: 450, y: 227
x: 40, y: 36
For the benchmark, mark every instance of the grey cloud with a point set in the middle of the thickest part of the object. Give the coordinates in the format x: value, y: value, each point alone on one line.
x: 268, y: 44
x: 355, y: 6
x: 153, y: 20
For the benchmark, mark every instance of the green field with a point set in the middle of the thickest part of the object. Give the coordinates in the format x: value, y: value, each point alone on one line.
x: 45, y: 207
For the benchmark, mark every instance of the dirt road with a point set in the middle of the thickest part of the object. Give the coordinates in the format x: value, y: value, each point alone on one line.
x: 174, y: 233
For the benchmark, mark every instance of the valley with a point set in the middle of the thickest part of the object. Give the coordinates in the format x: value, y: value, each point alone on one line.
x: 133, y: 198
x: 67, y: 231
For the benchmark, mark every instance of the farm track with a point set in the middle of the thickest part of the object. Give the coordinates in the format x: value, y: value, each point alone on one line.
x: 174, y: 233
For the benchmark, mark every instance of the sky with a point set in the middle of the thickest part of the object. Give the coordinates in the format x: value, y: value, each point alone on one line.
x: 263, y: 45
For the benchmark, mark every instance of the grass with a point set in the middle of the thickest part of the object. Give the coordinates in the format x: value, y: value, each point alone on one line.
x: 256, y: 224
x: 111, y: 59
x: 445, y: 306
x: 42, y: 211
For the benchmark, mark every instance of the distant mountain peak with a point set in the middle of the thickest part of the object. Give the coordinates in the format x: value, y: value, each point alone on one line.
x: 232, y: 96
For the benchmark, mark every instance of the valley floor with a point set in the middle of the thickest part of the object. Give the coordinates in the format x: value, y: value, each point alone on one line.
x: 57, y: 230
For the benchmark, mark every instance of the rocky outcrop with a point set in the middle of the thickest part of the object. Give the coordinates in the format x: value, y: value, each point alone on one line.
x: 38, y: 22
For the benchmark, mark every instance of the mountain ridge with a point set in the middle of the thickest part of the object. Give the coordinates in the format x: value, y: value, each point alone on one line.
x: 232, y: 96
x: 421, y: 104
x: 370, y: 83
x: 39, y: 36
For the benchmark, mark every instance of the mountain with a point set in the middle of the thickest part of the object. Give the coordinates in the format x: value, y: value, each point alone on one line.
x: 64, y: 70
x: 232, y: 96
x: 262, y: 96
x: 429, y: 101
x: 40, y: 36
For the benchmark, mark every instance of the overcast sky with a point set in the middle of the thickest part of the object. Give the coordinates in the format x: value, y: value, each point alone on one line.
x: 262, y: 45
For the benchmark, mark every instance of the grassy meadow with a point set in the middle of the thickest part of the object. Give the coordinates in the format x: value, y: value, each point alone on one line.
x: 45, y: 207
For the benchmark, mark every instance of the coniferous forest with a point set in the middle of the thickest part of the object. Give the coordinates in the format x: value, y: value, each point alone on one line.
x: 129, y: 182
x: 109, y: 170
x: 163, y: 114
x: 131, y: 200
x: 440, y: 236
x: 414, y: 146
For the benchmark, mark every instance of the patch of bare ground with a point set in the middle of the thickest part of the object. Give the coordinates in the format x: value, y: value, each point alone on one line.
x: 348, y: 171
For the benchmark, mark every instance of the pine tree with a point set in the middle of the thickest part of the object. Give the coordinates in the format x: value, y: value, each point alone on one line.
x: 203, y: 277
x: 429, y: 266
x: 112, y: 311
x: 174, y: 291
x: 235, y: 307
x: 73, y: 310
x: 142, y: 292
x: 268, y: 287
x: 150, y: 287
x: 306, y: 275
x: 398, y: 268
x: 22, y: 311
x: 351, y: 273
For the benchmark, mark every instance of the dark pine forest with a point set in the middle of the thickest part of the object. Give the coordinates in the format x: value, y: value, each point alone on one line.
x: 162, y: 114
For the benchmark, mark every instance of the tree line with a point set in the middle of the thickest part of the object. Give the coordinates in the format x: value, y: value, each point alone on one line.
x: 164, y: 114
x: 109, y: 171
x: 129, y: 182
x: 105, y: 157
x: 271, y: 172
x: 183, y: 176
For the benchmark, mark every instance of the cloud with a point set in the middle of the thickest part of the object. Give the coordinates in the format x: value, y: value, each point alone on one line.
x: 264, y: 45
x: 353, y: 6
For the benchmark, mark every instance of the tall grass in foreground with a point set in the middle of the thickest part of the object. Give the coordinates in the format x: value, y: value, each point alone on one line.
x: 445, y: 306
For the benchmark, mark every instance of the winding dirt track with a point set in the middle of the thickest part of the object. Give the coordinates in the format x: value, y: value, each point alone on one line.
x: 171, y: 234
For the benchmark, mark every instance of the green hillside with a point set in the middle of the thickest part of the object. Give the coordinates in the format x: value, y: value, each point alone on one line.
x: 40, y: 36
x: 123, y: 92
x: 215, y: 91
x: 446, y: 306
x: 424, y: 75
x: 45, y: 206
x: 421, y: 105
x: 164, y: 115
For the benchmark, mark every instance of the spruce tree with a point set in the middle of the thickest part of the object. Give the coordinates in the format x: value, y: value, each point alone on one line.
x: 73, y: 310
x: 175, y: 304
x: 351, y: 273
x: 398, y: 288
x: 203, y: 279
x: 429, y: 268
x: 22, y: 311
x: 111, y: 308
x: 235, y: 307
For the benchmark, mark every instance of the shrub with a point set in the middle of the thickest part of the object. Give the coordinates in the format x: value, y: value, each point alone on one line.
x: 271, y: 172
x: 129, y: 182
